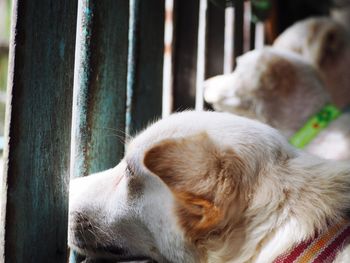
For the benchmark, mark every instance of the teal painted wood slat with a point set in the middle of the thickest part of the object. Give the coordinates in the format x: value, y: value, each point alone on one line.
x: 100, y: 85
x: 35, y: 184
x: 98, y: 131
x: 145, y: 72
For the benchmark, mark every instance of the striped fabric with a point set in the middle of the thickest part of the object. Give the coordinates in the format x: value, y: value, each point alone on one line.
x: 321, y: 249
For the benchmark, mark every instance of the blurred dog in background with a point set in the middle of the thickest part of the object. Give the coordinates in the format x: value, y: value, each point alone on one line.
x: 326, y: 45
x: 291, y: 81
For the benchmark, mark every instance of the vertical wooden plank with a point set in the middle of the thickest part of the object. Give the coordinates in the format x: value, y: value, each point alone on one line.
x: 238, y: 28
x: 247, y: 21
x: 38, y: 132
x: 259, y: 35
x: 186, y: 18
x: 167, y: 103
x: 214, y: 64
x: 100, y: 85
x: 145, y: 72
x: 201, y: 54
x: 252, y: 36
x: 98, y: 126
x: 215, y: 42
x: 229, y: 24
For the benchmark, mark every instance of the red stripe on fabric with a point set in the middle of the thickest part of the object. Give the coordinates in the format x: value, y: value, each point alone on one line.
x: 294, y: 254
x: 338, y: 242
x: 331, y: 257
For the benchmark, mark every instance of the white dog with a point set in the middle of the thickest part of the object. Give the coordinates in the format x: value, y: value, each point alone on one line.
x: 325, y: 44
x: 212, y: 187
x: 283, y: 90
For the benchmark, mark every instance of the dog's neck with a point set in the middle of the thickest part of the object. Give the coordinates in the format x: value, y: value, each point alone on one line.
x: 290, y: 119
x: 291, y: 205
x: 323, y: 247
x: 314, y: 126
x: 311, y: 192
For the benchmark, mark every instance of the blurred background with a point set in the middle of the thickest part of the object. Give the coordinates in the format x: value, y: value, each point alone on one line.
x: 5, y: 21
x: 5, y: 15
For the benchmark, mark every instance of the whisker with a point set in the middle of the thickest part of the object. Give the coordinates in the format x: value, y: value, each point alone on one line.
x: 108, y: 235
x: 122, y: 135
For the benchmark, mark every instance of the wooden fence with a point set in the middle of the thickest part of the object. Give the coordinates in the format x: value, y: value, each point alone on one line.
x: 100, y: 64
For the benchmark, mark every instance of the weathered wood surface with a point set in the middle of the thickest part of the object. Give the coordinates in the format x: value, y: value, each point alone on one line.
x: 36, y: 174
x: 145, y: 72
x: 186, y: 18
x: 100, y: 85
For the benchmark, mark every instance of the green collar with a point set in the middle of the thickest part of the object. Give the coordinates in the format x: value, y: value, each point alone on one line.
x: 315, y: 125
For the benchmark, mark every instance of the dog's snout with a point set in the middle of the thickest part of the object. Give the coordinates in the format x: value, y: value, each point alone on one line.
x: 81, y: 230
x: 81, y: 221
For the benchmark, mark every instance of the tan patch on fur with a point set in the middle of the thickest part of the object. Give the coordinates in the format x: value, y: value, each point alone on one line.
x: 197, y: 215
x: 203, y: 179
x: 280, y: 76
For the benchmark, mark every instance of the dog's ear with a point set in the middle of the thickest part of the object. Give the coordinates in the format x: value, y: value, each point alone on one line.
x: 201, y: 176
x: 279, y: 75
x: 182, y: 160
x: 177, y: 160
x: 332, y: 46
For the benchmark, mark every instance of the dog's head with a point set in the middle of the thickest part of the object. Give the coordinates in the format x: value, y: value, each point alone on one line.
x: 274, y: 86
x: 180, y: 194
x: 320, y: 40
x: 326, y: 44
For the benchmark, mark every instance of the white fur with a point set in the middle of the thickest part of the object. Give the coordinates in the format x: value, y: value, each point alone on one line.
x: 245, y: 93
x: 293, y: 195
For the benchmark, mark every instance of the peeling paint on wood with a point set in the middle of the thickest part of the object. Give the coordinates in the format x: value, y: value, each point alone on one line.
x: 100, y: 85
x: 36, y: 172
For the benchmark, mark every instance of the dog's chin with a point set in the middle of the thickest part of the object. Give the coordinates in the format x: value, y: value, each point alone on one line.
x: 112, y: 253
